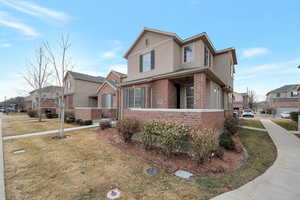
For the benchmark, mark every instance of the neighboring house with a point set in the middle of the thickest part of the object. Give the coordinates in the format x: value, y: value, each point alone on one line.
x: 109, y: 95
x: 261, y: 107
x: 49, y: 100
x: 283, y: 99
x: 81, y: 90
x: 174, y: 79
x: 240, y: 101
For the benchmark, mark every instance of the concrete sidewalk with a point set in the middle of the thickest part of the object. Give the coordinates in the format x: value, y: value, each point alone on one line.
x: 253, y: 128
x: 48, y: 132
x: 2, y: 184
x: 282, y: 179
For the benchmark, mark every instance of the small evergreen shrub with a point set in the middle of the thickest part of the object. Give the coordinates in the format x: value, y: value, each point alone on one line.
x: 226, y: 142
x: 32, y: 113
x: 104, y: 125
x: 51, y: 115
x: 86, y: 122
x: 204, y: 143
x: 69, y: 117
x: 127, y: 127
x: 219, y: 153
x: 170, y: 136
x: 79, y: 121
x: 294, y: 116
x: 231, y: 124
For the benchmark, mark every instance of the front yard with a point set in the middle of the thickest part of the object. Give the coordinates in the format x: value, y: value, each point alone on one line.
x: 84, y: 166
x: 21, y: 126
x: 287, y: 124
x: 252, y: 123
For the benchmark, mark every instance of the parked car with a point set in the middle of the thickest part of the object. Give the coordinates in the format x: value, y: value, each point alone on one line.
x: 247, y: 113
x: 285, y: 115
x: 236, y: 113
x: 2, y: 109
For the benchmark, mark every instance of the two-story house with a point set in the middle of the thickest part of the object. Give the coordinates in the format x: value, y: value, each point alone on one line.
x: 283, y: 99
x: 170, y: 78
x: 81, y: 90
x: 49, y: 99
x: 109, y: 95
x: 240, y: 101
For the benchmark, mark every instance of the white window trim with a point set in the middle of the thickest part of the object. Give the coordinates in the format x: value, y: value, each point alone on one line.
x: 193, y: 53
x: 149, y: 52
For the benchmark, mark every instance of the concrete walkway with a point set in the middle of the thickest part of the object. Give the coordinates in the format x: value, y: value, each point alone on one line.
x: 253, y: 128
x: 48, y: 132
x: 282, y: 179
x: 2, y: 185
x: 12, y: 117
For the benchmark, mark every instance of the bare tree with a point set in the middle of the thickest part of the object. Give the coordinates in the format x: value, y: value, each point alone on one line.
x: 37, y: 75
x: 252, y: 98
x: 61, y: 63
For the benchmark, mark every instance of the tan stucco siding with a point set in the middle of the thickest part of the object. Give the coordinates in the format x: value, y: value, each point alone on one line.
x: 70, y: 79
x: 83, y: 90
x: 163, y: 60
x: 222, y: 67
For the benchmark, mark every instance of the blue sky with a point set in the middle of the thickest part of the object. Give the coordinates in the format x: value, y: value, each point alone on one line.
x: 265, y: 34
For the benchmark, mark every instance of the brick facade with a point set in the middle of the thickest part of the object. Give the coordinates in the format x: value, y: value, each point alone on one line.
x: 213, y: 119
x: 199, y: 90
x: 87, y: 113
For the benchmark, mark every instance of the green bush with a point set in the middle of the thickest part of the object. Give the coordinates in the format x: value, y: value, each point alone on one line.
x: 231, y: 124
x: 32, y: 113
x: 219, y: 153
x: 78, y: 121
x: 170, y: 136
x: 127, y: 127
x: 86, y: 122
x: 226, y: 142
x: 104, y: 124
x: 294, y: 116
x: 69, y: 117
x: 204, y: 142
x: 51, y: 115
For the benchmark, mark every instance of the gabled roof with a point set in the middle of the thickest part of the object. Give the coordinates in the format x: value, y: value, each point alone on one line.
x: 86, y: 77
x: 48, y: 89
x: 121, y: 75
x: 110, y: 83
x: 285, y: 88
x: 180, y: 41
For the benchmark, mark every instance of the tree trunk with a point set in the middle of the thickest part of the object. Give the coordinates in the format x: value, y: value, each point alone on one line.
x: 39, y: 106
x: 62, y: 117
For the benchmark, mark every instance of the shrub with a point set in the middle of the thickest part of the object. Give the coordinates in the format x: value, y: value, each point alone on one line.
x: 86, y: 122
x: 127, y: 127
x: 171, y: 136
x: 219, y: 153
x: 231, y: 124
x: 294, y: 116
x: 32, y: 113
x: 78, y: 121
x: 69, y: 117
x: 51, y: 115
x: 104, y: 124
x: 204, y: 142
x: 226, y: 142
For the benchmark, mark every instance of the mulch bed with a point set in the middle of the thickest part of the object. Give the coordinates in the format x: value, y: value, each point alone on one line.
x: 183, y: 162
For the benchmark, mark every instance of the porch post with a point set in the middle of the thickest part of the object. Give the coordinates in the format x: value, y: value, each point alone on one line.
x: 199, y: 90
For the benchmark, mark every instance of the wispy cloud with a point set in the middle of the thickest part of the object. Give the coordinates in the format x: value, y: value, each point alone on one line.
x: 113, y: 52
x: 119, y: 68
x: 108, y: 55
x: 6, y: 20
x: 35, y: 10
x: 252, y: 52
x: 5, y: 45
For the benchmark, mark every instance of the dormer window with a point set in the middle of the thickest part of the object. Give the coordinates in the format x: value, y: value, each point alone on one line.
x: 187, y: 54
x: 147, y: 61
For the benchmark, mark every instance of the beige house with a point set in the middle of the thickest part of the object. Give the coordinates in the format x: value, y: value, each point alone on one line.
x: 81, y: 90
x: 182, y: 76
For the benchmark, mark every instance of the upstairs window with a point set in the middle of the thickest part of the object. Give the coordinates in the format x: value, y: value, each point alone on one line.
x: 277, y: 94
x: 294, y: 94
x: 188, y: 54
x: 107, y: 101
x: 147, y: 61
x: 207, y: 57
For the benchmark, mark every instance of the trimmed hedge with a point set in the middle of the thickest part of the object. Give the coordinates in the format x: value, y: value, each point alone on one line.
x: 226, y: 142
x: 32, y: 113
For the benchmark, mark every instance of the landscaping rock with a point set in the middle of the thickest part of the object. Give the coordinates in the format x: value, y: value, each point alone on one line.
x: 19, y: 151
x: 113, y: 194
x: 183, y: 174
x: 151, y: 171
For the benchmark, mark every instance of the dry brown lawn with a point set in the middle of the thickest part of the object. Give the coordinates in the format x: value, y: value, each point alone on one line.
x: 21, y: 126
x: 86, y: 167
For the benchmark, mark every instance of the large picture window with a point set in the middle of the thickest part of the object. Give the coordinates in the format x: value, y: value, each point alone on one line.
x: 134, y: 98
x: 107, y: 101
